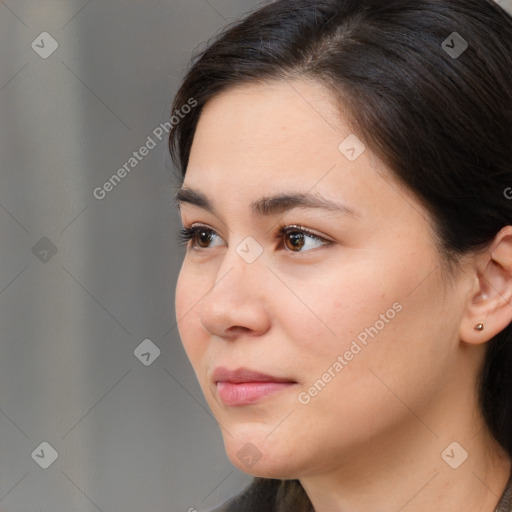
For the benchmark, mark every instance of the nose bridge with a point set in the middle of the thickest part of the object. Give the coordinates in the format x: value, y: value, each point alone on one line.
x: 242, y: 266
x: 237, y: 298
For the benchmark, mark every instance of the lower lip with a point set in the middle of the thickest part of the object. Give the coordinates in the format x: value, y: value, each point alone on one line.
x: 244, y: 393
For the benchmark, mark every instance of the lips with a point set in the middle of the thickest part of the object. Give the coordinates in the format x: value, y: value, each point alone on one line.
x: 222, y: 374
x: 244, y: 386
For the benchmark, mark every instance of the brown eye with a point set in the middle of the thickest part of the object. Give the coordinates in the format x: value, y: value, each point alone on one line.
x: 295, y: 239
x: 204, y: 236
x: 200, y: 236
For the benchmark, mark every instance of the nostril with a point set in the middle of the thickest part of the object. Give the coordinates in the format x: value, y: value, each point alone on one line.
x: 238, y: 329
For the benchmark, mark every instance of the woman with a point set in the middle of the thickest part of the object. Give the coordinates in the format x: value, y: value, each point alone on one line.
x: 346, y: 295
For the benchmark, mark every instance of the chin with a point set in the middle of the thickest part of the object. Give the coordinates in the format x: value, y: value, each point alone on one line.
x: 265, y: 469
x: 259, y: 457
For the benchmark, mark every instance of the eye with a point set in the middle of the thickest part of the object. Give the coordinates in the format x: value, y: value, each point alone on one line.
x: 196, y: 234
x: 295, y: 238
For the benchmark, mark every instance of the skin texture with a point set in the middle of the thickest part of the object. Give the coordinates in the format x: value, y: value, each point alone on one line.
x: 383, y: 422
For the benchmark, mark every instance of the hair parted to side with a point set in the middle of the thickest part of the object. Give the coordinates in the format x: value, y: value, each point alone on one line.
x: 442, y: 124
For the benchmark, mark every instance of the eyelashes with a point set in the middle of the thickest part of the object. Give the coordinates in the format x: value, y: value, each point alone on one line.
x: 295, y: 234
x: 187, y: 234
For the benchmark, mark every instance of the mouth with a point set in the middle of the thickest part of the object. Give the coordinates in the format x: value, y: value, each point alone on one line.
x: 244, y: 387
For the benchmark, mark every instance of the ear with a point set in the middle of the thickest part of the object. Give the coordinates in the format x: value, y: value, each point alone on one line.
x: 491, y: 301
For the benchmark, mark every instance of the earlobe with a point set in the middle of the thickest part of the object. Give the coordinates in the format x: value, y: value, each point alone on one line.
x: 489, y: 310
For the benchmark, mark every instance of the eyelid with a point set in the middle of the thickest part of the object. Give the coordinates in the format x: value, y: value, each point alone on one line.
x: 297, y: 227
x: 188, y: 232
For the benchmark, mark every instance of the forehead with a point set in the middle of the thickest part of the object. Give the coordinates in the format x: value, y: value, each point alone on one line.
x: 290, y: 136
x: 275, y: 111
x: 286, y: 130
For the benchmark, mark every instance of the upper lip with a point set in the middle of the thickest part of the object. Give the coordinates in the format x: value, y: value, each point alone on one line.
x: 244, y: 375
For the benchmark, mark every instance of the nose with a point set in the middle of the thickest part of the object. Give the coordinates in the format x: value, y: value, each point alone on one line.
x: 236, y: 302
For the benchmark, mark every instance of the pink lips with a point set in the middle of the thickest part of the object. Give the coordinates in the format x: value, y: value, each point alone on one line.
x: 243, y: 386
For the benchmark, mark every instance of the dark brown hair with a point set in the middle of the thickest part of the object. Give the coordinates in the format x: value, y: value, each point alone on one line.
x: 437, y: 113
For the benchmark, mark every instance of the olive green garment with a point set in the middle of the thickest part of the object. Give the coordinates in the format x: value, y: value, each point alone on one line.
x: 269, y: 495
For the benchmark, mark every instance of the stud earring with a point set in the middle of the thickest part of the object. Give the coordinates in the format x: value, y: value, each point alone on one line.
x: 479, y: 327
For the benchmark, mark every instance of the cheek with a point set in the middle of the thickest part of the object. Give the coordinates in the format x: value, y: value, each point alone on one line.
x: 387, y: 339
x: 187, y: 299
x: 344, y: 305
x: 376, y: 319
x: 183, y: 298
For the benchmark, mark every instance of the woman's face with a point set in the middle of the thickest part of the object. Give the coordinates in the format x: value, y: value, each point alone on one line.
x: 355, y: 330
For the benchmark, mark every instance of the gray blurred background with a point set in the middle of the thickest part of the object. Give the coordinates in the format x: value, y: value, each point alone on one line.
x: 99, y: 407
x: 130, y: 436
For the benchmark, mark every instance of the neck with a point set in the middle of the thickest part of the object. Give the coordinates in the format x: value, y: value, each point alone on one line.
x: 410, y: 469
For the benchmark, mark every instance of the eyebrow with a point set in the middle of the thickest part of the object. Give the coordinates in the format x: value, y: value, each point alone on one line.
x: 270, y: 205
